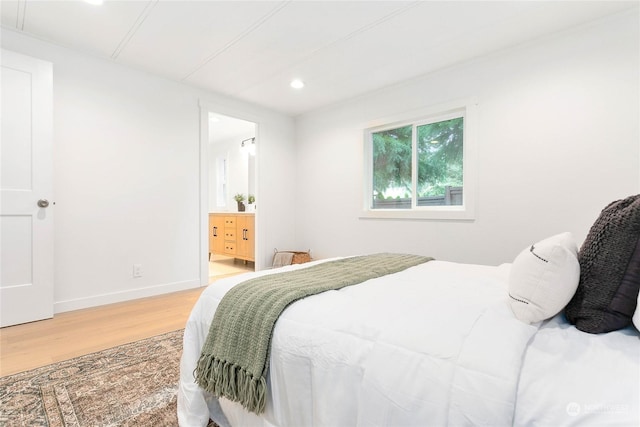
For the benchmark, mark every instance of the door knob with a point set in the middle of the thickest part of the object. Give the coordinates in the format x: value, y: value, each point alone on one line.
x: 43, y: 203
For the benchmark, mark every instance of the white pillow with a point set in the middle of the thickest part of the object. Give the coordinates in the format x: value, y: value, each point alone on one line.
x: 636, y: 315
x: 543, y: 278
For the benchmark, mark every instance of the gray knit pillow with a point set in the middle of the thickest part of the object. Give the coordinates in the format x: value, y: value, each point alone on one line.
x: 609, y: 258
x: 636, y: 316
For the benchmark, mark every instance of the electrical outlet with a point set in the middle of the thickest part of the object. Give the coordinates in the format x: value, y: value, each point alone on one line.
x: 137, y: 270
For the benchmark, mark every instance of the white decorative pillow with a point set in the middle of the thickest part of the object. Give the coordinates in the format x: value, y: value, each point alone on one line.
x: 543, y: 278
x: 636, y: 315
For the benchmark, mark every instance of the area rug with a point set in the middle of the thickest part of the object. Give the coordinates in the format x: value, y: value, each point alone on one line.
x: 130, y: 385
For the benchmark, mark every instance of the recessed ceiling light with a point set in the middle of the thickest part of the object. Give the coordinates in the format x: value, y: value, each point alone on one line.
x: 297, y: 84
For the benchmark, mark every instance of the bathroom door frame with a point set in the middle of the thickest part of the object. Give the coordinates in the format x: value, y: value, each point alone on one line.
x: 205, y: 109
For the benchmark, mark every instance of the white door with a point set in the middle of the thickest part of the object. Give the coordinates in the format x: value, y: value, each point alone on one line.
x: 26, y: 189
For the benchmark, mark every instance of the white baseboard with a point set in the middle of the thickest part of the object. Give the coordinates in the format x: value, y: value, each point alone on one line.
x: 98, y: 300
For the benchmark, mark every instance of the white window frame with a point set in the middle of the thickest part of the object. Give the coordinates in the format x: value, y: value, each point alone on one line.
x: 466, y: 212
x: 221, y: 180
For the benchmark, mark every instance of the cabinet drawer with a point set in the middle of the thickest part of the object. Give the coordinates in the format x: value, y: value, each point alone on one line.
x: 230, y: 234
x: 229, y: 248
x: 230, y: 221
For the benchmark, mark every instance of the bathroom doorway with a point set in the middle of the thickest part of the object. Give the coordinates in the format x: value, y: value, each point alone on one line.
x: 232, y: 195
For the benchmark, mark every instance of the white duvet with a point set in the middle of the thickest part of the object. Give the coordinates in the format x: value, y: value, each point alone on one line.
x: 434, y: 345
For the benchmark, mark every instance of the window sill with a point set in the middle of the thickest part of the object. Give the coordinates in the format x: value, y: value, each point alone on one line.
x: 432, y: 214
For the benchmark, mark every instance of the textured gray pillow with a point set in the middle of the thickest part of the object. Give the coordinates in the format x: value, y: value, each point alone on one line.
x: 609, y: 258
x: 636, y: 315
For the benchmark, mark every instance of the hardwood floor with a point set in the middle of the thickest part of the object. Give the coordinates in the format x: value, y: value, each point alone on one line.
x: 74, y: 333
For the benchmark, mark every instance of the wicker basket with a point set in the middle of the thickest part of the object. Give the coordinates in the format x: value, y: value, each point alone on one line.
x: 299, y: 257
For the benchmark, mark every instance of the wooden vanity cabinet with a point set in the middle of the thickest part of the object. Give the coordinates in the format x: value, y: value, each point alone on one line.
x: 245, y: 237
x: 216, y: 234
x: 232, y: 234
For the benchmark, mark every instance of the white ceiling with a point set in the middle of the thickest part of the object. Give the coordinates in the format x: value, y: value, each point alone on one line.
x: 223, y: 128
x: 251, y: 50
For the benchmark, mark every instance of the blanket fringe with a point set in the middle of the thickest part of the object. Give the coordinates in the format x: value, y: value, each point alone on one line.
x: 225, y: 379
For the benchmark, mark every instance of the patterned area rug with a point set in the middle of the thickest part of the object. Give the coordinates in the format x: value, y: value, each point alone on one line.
x: 131, y: 385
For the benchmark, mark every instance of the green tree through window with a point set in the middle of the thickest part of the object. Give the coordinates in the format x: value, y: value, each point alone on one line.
x: 392, y: 162
x: 439, y: 165
x: 440, y: 157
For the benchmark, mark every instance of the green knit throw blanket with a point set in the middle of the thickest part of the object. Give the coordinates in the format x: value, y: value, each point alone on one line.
x: 234, y: 358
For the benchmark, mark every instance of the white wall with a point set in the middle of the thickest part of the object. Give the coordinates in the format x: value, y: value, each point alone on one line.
x: 127, y: 178
x: 558, y: 140
x: 238, y: 172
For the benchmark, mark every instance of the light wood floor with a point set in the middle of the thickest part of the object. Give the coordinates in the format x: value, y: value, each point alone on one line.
x: 75, y: 333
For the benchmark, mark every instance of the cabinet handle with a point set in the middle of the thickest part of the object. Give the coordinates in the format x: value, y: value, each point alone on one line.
x: 215, y: 231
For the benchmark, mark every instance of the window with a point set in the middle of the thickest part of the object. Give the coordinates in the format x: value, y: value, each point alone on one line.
x: 421, y: 168
x: 221, y: 181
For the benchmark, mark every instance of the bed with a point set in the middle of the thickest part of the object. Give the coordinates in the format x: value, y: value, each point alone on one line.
x: 440, y: 344
x: 329, y: 359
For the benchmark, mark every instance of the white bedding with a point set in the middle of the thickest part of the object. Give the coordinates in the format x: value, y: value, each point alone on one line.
x: 433, y: 345
x: 572, y: 378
